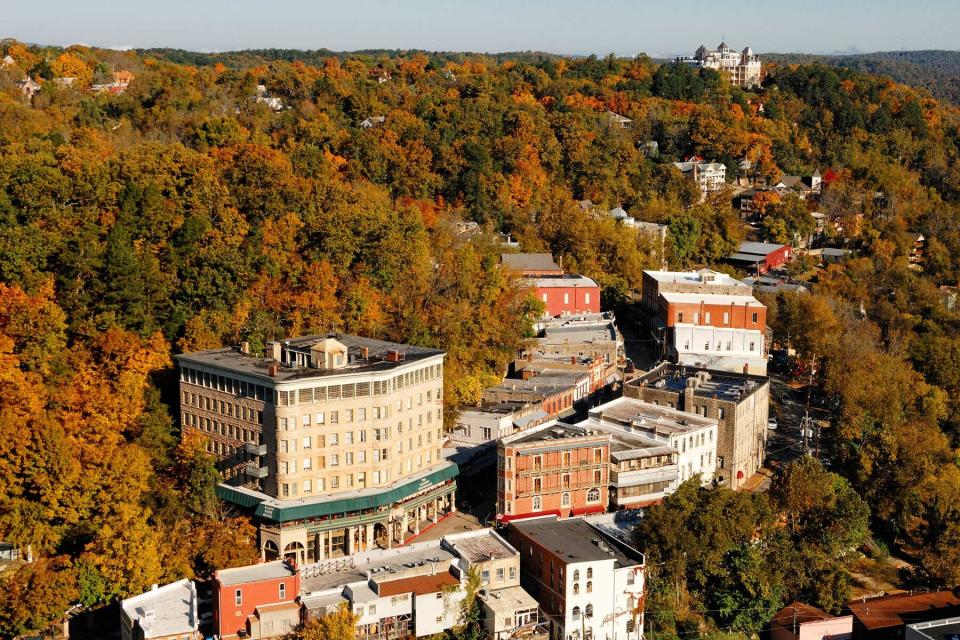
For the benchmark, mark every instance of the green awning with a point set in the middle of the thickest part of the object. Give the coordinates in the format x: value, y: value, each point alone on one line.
x: 299, y: 511
x: 237, y: 497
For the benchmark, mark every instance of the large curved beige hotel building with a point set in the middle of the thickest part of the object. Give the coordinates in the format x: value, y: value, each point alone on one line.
x: 333, y: 442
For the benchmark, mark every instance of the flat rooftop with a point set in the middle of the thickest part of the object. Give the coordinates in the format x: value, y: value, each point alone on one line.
x: 480, y: 546
x: 573, y: 333
x: 576, y: 541
x: 731, y: 387
x: 710, y: 298
x: 420, y: 585
x: 719, y: 279
x: 892, y: 611
x: 945, y: 629
x: 255, y: 573
x: 164, y: 611
x: 380, y: 564
x: 509, y: 600
x: 556, y: 432
x: 630, y: 413
x: 566, y: 280
x: 232, y: 359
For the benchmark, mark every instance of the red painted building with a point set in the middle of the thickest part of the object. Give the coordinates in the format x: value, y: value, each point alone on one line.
x: 560, y: 470
x: 239, y: 593
x: 760, y: 257
x: 568, y: 294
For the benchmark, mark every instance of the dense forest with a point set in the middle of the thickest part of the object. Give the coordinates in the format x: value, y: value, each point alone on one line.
x: 935, y: 70
x: 184, y: 213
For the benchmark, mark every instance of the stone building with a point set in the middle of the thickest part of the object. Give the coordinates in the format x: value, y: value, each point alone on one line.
x: 333, y: 442
x: 739, y: 402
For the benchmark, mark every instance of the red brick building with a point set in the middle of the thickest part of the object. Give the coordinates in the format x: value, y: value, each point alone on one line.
x: 568, y: 294
x: 731, y: 312
x: 242, y: 596
x: 560, y: 470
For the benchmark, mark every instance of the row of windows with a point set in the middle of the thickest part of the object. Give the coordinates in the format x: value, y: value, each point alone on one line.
x: 706, y: 346
x: 243, y: 389
x: 353, y: 480
x: 226, y: 384
x: 222, y: 407
x: 566, y: 297
x: 352, y: 437
x: 755, y: 317
x: 348, y: 416
x: 696, y: 440
x: 281, y: 592
x: 222, y: 428
x: 360, y: 389
x: 485, y: 575
x: 648, y: 462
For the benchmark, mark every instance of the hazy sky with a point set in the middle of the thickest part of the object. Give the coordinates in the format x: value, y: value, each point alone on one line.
x: 625, y: 27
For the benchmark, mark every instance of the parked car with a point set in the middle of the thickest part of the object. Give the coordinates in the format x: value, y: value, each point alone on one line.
x: 772, y: 424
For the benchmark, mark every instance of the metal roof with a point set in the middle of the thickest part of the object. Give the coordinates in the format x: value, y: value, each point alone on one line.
x: 276, y: 510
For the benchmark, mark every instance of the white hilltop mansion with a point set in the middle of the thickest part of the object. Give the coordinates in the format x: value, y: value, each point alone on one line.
x: 742, y: 68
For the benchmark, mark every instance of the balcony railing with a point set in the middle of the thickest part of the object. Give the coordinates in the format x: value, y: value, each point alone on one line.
x: 255, y: 449
x: 254, y: 471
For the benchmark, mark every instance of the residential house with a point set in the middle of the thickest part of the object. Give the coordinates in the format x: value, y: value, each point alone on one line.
x: 656, y: 235
x: 7, y: 61
x: 739, y: 403
x: 618, y: 120
x: 833, y: 255
x: 916, y: 245
x: 163, y: 613
x: 28, y: 87
x: 372, y: 121
x: 708, y: 176
x: 798, y: 621
x: 258, y: 601
x: 589, y: 584
x: 620, y: 215
x: 332, y: 442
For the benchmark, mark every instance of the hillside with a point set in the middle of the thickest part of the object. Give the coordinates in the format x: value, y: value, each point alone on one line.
x: 196, y: 205
x: 934, y: 70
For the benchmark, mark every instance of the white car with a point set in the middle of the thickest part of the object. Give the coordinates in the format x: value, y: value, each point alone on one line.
x: 772, y: 424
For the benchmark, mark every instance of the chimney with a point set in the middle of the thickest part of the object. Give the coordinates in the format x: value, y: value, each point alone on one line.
x: 245, y: 347
x: 688, y: 398
x: 365, y: 352
x: 275, y: 350
x: 573, y: 359
x: 273, y: 370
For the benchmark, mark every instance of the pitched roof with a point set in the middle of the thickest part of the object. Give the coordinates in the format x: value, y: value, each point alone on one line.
x: 799, y: 613
x: 529, y: 262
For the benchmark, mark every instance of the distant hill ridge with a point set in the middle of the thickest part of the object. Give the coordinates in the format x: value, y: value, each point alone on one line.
x: 937, y: 71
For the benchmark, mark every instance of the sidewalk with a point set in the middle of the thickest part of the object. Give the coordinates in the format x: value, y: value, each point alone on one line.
x: 760, y: 481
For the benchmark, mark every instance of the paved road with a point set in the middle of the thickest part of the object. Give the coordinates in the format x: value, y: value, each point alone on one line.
x: 789, y: 406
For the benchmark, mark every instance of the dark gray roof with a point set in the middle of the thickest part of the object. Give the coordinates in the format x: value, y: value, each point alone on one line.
x: 233, y: 360
x: 575, y: 540
x: 529, y: 261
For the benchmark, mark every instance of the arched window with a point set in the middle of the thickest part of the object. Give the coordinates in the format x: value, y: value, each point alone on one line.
x: 565, y: 499
x: 576, y: 575
x: 576, y: 613
x: 593, y: 495
x: 589, y: 573
x: 576, y: 588
x: 589, y: 611
x: 589, y: 587
x: 536, y: 503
